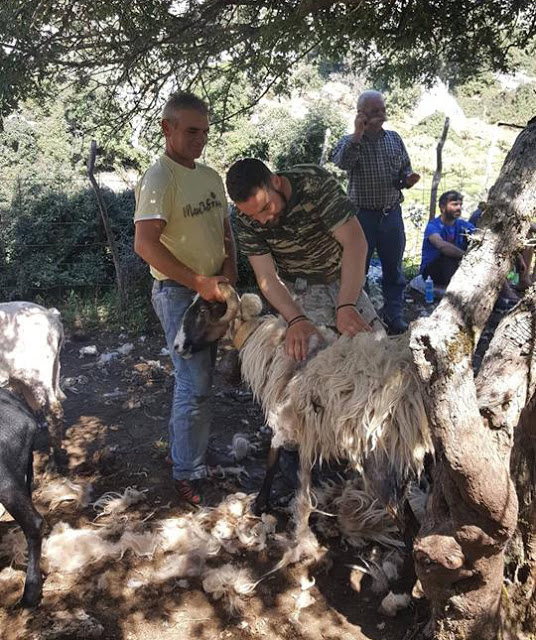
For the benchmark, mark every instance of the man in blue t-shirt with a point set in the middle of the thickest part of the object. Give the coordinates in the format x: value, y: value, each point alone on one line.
x: 445, y: 240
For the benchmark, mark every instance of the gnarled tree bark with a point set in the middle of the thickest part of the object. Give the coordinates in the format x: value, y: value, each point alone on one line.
x: 519, y: 611
x: 473, y: 510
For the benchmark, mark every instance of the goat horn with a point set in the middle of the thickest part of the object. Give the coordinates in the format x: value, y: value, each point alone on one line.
x: 233, y: 303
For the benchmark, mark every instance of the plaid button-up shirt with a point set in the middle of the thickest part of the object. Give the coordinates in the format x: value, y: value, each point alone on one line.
x: 377, y: 169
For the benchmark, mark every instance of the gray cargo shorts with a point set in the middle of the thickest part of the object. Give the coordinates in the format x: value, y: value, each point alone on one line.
x: 319, y: 302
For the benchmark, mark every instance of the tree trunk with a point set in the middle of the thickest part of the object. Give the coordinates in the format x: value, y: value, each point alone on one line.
x: 519, y: 614
x: 472, y: 513
x: 325, y: 147
x: 436, y: 179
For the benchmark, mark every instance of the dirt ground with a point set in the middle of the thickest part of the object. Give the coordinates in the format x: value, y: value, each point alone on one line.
x: 116, y: 430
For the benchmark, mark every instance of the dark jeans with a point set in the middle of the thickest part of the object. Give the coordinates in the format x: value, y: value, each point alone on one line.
x: 385, y: 233
x: 441, y: 269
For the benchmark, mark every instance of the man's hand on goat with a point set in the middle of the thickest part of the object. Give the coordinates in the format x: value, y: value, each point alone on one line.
x: 297, y: 339
x: 350, y: 321
x: 207, y: 287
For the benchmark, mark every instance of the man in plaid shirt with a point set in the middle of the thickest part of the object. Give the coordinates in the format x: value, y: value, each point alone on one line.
x: 378, y: 168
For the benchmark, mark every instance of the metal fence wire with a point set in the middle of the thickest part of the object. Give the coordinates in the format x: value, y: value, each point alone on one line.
x: 53, y: 243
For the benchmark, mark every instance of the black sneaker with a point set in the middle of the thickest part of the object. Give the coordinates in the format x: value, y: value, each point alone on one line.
x: 396, y: 326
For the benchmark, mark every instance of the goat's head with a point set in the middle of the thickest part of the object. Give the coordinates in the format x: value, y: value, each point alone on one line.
x: 206, y: 322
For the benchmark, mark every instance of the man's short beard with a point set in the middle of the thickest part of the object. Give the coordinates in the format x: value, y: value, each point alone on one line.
x: 275, y: 222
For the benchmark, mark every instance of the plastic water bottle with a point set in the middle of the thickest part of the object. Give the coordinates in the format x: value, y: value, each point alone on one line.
x: 429, y: 290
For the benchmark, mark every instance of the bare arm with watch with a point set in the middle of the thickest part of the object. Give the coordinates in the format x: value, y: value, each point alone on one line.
x: 299, y: 329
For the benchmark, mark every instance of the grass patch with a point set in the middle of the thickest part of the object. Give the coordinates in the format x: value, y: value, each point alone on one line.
x: 411, y: 267
x: 101, y: 310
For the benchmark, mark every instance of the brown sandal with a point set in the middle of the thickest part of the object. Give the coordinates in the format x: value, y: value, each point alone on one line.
x: 188, y: 492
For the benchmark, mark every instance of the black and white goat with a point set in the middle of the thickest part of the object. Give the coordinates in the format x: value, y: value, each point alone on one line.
x: 17, y: 432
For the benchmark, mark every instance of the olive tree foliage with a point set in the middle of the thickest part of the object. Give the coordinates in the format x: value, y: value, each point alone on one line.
x: 142, y: 49
x: 279, y: 137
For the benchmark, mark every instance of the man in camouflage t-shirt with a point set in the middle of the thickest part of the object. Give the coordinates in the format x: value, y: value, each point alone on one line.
x: 306, y: 247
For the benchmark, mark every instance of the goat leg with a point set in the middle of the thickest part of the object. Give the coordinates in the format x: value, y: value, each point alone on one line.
x: 409, y: 527
x: 58, y: 459
x: 19, y: 505
x: 391, y: 490
x: 262, y: 501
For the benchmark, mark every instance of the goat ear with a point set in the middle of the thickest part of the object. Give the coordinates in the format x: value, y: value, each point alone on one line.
x: 250, y: 306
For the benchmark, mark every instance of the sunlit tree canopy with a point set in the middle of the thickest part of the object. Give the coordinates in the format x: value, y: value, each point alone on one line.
x: 139, y: 49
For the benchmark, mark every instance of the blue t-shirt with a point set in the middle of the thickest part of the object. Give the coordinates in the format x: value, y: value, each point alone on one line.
x: 475, y: 216
x: 455, y: 234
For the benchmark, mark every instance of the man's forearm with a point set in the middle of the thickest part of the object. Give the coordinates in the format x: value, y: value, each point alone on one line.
x: 353, y: 260
x: 451, y: 250
x: 346, y: 153
x: 352, y: 277
x: 280, y: 298
x: 229, y: 270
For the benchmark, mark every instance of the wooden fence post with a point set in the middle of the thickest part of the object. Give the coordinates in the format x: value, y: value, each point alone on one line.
x: 106, y: 222
x: 439, y: 169
x: 325, y: 147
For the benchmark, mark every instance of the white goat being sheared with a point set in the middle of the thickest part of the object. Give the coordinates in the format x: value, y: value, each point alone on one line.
x: 356, y: 399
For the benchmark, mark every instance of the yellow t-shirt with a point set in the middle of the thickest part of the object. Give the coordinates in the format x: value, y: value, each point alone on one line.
x: 193, y: 204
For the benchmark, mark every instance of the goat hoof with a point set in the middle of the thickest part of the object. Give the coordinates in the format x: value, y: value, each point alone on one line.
x: 260, y: 506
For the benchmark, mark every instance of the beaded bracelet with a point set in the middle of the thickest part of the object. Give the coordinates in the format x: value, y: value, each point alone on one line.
x: 348, y: 304
x: 295, y: 320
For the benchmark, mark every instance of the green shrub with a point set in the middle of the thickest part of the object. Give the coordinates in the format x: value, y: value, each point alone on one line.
x: 57, y: 251
x: 100, y: 309
x: 432, y: 125
x: 59, y: 242
x: 411, y: 267
x: 302, y: 140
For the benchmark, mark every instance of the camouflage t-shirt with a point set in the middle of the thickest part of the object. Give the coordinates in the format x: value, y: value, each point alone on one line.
x: 302, y: 244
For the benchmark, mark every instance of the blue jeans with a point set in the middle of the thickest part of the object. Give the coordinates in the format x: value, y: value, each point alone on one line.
x: 385, y: 233
x: 189, y: 424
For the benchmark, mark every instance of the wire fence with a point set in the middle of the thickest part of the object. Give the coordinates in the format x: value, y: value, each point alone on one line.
x: 84, y: 265
x: 53, y: 243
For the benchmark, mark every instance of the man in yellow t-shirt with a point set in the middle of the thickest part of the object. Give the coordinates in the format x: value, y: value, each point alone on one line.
x: 184, y: 234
